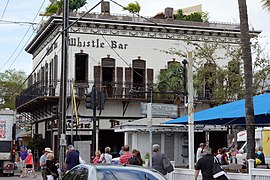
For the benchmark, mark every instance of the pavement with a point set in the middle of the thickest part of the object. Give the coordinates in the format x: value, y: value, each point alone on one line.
x: 17, y: 176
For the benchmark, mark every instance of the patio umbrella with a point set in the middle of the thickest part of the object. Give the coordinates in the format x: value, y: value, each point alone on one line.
x: 231, y: 113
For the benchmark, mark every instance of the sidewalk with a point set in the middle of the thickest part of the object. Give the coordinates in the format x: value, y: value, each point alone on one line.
x: 29, y: 176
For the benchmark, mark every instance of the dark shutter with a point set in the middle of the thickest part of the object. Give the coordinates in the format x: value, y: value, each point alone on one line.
x: 55, y: 67
x: 150, y: 77
x: 119, y: 81
x: 30, y: 80
x: 127, y: 80
x: 97, y: 80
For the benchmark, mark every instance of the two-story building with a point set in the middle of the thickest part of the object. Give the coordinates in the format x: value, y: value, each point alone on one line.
x: 121, y: 54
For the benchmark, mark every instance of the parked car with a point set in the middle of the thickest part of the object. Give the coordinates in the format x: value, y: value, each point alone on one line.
x: 112, y: 172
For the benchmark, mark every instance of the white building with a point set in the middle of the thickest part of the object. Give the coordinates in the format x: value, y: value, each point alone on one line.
x: 118, y: 54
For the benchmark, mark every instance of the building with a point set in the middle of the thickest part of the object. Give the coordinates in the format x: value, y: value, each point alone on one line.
x: 121, y: 55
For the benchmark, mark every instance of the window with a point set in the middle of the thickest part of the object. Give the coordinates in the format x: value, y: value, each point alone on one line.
x: 83, y: 174
x: 71, y: 174
x: 81, y: 67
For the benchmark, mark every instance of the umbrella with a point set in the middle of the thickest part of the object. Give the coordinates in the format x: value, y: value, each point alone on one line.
x: 231, y: 113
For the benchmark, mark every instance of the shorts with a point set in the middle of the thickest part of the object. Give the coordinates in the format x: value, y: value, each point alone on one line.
x: 29, y: 166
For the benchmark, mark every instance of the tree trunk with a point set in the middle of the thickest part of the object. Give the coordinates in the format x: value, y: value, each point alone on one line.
x: 245, y: 44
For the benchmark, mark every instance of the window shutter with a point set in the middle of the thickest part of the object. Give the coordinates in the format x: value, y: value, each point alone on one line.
x: 55, y: 67
x: 127, y: 80
x: 97, y: 80
x: 119, y: 81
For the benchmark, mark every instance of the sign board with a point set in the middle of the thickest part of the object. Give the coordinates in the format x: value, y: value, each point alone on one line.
x: 160, y: 110
x: 84, y: 124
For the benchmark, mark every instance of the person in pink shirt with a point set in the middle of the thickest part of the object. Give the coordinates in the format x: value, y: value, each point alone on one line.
x: 96, y: 160
x: 124, y: 158
x: 29, y: 164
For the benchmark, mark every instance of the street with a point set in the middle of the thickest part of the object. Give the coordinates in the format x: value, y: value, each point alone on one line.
x: 17, y: 176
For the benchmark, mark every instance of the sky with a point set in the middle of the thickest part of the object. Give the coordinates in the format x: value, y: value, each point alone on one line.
x: 14, y: 37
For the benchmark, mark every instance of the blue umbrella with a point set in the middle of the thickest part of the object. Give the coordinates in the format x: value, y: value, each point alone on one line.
x: 231, y: 113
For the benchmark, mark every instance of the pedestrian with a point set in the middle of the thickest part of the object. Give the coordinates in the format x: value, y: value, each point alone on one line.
x: 42, y: 162
x: 136, y: 159
x: 199, y: 153
x: 23, y: 155
x: 219, y: 154
x: 96, y: 159
x: 205, y: 165
x: 29, y: 163
x: 80, y: 158
x: 51, y: 170
x: 241, y: 158
x: 72, y: 158
x: 121, y: 152
x: 126, y: 155
x: 106, y: 157
x: 260, y: 155
x: 160, y: 162
x: 224, y: 157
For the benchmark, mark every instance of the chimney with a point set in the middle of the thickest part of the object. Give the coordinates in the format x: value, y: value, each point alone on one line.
x: 168, y: 13
x: 105, y: 7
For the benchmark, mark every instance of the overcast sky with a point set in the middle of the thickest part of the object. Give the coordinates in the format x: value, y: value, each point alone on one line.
x: 14, y: 37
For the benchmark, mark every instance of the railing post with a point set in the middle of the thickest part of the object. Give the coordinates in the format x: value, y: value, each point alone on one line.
x: 250, y: 167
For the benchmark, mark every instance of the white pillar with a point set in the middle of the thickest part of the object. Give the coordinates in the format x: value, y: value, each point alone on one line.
x: 126, y: 138
x: 190, y: 113
x: 149, y: 125
x: 250, y: 167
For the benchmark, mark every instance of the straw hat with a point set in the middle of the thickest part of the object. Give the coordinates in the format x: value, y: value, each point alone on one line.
x: 47, y: 149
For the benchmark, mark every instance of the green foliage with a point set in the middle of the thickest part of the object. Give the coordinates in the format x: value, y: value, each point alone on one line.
x: 10, y: 80
x: 37, y: 143
x: 147, y: 155
x: 55, y: 7
x: 196, y: 16
x: 133, y: 7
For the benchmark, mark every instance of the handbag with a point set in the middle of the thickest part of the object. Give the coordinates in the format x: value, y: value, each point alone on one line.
x: 167, y: 165
x: 218, y: 171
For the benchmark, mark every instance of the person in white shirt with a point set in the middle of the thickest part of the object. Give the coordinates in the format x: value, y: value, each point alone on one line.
x: 199, y: 153
x: 241, y: 158
x: 219, y: 154
x: 106, y: 157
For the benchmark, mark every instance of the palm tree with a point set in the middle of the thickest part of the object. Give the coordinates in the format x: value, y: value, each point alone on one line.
x: 246, y: 50
x: 266, y: 4
x: 133, y: 8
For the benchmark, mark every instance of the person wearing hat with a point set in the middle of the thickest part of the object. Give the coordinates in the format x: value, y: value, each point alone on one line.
x: 199, y: 153
x: 42, y: 162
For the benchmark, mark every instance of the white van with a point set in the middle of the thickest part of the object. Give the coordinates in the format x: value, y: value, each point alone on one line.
x: 262, y: 138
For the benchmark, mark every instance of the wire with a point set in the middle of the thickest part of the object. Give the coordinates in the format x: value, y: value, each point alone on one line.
x: 22, y: 41
x: 43, y: 57
x: 17, y: 22
x: 4, y: 10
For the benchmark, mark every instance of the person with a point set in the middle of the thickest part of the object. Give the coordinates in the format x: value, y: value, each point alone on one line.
x: 106, y: 157
x: 136, y: 159
x: 80, y: 158
x: 260, y: 155
x: 199, y: 153
x: 158, y: 160
x: 219, y: 154
x: 124, y: 158
x: 72, y: 158
x: 205, y: 166
x: 29, y: 163
x: 23, y: 155
x: 51, y: 170
x: 96, y: 159
x: 121, y: 152
x: 42, y: 162
x: 224, y: 157
x: 241, y: 158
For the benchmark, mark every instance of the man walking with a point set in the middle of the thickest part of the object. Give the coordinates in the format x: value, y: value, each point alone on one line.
x: 205, y: 164
x: 124, y: 158
x: 72, y: 158
x: 42, y: 162
x: 160, y: 162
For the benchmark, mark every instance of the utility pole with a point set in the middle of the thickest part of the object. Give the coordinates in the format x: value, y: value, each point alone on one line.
x: 63, y: 97
x: 190, y: 113
x: 94, y: 135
